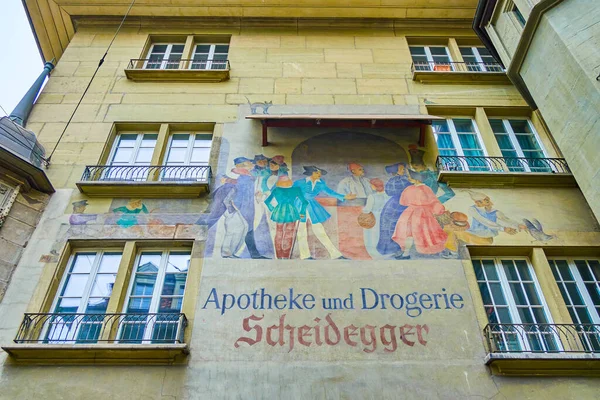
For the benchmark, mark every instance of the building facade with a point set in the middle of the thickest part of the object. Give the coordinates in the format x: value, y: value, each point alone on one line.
x: 309, y: 201
x: 519, y: 31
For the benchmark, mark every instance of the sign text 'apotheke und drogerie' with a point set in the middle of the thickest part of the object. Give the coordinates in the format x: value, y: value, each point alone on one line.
x: 325, y: 331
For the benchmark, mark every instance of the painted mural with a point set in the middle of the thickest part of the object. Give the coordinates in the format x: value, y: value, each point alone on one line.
x: 337, y: 195
x: 332, y: 201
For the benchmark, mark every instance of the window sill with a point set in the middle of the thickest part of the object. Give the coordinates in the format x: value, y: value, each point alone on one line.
x: 153, y: 189
x: 461, y: 77
x: 506, y: 179
x: 544, y: 364
x: 75, y: 354
x: 177, y: 75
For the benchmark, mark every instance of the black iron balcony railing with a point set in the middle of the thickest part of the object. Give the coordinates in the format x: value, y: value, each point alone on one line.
x: 502, y: 164
x: 435, y: 66
x: 178, y: 64
x: 72, y: 328
x: 542, y: 338
x: 144, y: 173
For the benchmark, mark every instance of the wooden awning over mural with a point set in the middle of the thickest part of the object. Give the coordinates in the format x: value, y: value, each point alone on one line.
x: 362, y: 121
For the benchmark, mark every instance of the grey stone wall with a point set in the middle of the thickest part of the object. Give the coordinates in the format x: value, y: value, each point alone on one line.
x: 16, y: 232
x: 560, y: 70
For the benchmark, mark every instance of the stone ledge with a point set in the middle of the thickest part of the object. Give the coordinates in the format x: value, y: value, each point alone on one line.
x: 506, y: 179
x: 74, y: 354
x: 461, y: 77
x: 177, y: 75
x: 143, y: 189
x: 544, y: 364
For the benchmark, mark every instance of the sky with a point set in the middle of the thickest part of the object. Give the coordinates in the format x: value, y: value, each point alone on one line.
x: 20, y: 60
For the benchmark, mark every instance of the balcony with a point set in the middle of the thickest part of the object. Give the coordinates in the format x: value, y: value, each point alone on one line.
x: 543, y: 349
x: 158, y: 181
x: 458, y: 72
x: 177, y: 70
x: 479, y: 171
x: 70, y: 338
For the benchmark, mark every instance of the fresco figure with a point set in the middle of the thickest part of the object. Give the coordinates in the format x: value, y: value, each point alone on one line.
x: 428, y: 176
x: 392, y: 210
x: 350, y: 233
x: 236, y: 227
x: 487, y: 221
x: 261, y: 172
x: 418, y: 222
x: 243, y: 198
x: 375, y: 203
x: 357, y: 183
x: 286, y: 215
x: 78, y: 217
x: 277, y: 168
x: 486, y: 224
x: 311, y: 187
x: 130, y: 213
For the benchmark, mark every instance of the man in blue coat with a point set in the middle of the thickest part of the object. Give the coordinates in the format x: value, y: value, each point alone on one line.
x: 236, y: 196
x: 311, y: 187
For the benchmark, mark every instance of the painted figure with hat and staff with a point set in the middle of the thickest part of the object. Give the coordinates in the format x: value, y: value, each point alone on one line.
x: 286, y: 215
x: 311, y: 187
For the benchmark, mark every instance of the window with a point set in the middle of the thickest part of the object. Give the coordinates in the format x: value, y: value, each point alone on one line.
x: 459, y: 137
x: 480, y: 59
x: 518, y: 15
x: 130, y: 150
x: 185, y: 151
x: 85, y: 289
x: 431, y: 58
x: 164, y: 56
x: 517, y: 139
x: 514, y: 305
x: 579, y: 283
x: 210, y: 56
x: 155, y: 297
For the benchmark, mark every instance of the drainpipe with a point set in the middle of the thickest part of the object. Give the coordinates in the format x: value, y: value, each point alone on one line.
x: 21, y: 112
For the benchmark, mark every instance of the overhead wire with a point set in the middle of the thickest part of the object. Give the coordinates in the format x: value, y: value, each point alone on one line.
x: 90, y: 82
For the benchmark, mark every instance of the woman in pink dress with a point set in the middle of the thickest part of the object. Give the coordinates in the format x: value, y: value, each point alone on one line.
x: 418, y: 220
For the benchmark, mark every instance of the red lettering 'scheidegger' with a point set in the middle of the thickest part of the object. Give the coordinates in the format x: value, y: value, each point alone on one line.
x: 282, y: 334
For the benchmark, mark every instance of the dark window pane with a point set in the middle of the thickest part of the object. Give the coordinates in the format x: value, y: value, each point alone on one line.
x: 523, y: 269
x: 497, y: 294
x: 485, y: 294
x: 510, y: 270
x: 518, y: 294
x: 574, y: 293
x: 490, y: 270
x: 531, y: 294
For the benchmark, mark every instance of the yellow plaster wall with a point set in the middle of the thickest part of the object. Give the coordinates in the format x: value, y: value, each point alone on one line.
x: 293, y: 68
x: 371, y: 67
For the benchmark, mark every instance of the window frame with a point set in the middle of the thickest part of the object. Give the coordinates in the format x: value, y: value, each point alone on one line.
x: 189, y: 148
x: 120, y: 171
x: 136, y: 148
x: 510, y: 301
x: 518, y: 15
x: 515, y: 143
x: 454, y: 135
x: 211, y: 55
x: 190, y: 173
x: 432, y: 63
x: 484, y: 67
x: 156, y: 292
x: 583, y: 291
x: 165, y: 60
x: 92, y: 275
